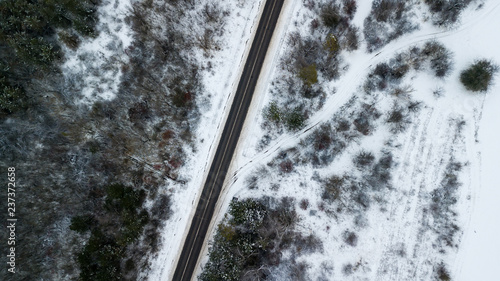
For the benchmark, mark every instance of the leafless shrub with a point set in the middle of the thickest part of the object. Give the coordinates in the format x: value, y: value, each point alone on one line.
x: 298, y: 271
x: 350, y: 238
x: 414, y: 106
x: 308, y: 244
x: 310, y: 4
x: 161, y: 208
x: 343, y: 125
x: 286, y: 166
x: 440, y: 58
x: 438, y: 92
x: 363, y: 125
x: 350, y: 7
x: 348, y: 269
x: 351, y: 41
x: 139, y: 112
x: 443, y: 201
x: 333, y: 188
x: 314, y: 25
x: 252, y: 182
x: 212, y: 12
x: 331, y: 15
x: 363, y: 159
x: 206, y: 41
x: 304, y: 204
x: 360, y: 221
x: 381, y: 172
x: 397, y: 119
x: 441, y: 272
x: 400, y: 250
x: 323, y: 137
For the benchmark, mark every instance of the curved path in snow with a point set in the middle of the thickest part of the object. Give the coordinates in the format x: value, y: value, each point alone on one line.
x: 361, y: 63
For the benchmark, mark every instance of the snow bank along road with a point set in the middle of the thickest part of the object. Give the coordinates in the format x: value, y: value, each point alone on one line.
x: 227, y: 144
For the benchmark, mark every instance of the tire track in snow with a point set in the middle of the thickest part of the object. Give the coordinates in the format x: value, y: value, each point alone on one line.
x: 438, y: 157
x: 393, y: 266
x: 420, y: 158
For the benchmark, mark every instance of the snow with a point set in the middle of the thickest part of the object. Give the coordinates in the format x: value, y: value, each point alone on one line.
x: 95, y: 67
x: 395, y: 244
x: 480, y: 254
x: 479, y: 257
x: 363, y: 10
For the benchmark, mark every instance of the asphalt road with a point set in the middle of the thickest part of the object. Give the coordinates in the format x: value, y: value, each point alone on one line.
x: 227, y: 144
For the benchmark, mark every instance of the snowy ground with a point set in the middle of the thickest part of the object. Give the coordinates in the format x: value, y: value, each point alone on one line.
x: 395, y: 242
x: 480, y: 254
x: 95, y: 67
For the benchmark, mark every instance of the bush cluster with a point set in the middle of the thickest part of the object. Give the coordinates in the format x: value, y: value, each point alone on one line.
x: 329, y: 140
x: 345, y: 194
x: 249, y: 244
x: 387, y: 74
x: 312, y: 58
x: 443, y: 200
x: 387, y: 21
x: 336, y: 18
x: 446, y: 12
x: 353, y: 194
x: 292, y: 120
x: 122, y: 222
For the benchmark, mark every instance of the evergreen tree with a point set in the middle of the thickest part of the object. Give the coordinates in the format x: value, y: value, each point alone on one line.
x: 478, y: 76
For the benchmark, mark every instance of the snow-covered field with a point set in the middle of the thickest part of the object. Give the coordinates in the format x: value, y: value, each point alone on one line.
x: 397, y: 236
